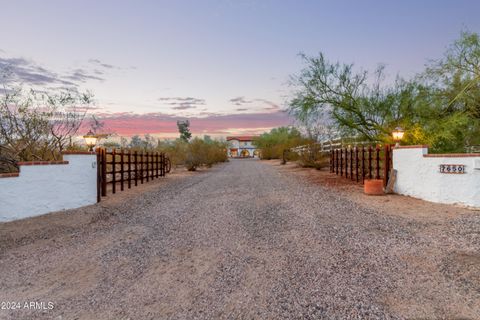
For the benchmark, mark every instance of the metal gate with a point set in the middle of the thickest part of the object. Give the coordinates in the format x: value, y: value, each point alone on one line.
x: 118, y: 169
x: 360, y: 163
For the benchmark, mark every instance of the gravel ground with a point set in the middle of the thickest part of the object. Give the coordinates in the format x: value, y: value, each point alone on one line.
x: 241, y: 241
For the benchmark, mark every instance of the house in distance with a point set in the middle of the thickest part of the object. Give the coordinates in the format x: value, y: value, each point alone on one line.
x: 242, y: 147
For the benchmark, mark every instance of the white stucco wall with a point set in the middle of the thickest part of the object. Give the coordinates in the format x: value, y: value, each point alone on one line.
x: 246, y: 144
x: 40, y: 189
x: 418, y: 175
x: 234, y: 143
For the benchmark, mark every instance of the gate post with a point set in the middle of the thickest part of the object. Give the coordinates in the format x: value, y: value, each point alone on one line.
x: 129, y: 169
x: 163, y: 164
x: 356, y: 163
x: 363, y: 164
x: 331, y: 160
x: 121, y: 169
x: 351, y: 163
x: 337, y: 161
x: 370, y: 176
x: 386, y: 165
x: 341, y: 162
x: 104, y: 172
x: 114, y: 172
x: 99, y: 175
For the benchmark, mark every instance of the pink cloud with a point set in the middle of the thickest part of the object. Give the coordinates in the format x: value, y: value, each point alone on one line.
x: 128, y: 124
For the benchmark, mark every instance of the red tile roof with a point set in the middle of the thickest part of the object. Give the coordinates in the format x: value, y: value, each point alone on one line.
x: 242, y: 138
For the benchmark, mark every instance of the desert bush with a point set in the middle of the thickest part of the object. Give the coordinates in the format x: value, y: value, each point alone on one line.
x: 205, y: 152
x: 176, y: 150
x: 215, y: 152
x: 7, y: 162
x: 195, y: 154
x: 276, y: 143
x: 191, y: 154
x: 313, y: 158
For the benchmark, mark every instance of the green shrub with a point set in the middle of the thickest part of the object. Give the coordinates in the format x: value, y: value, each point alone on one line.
x: 313, y: 158
x: 191, y: 154
x: 195, y: 154
x: 273, y: 144
x: 205, y: 152
x: 176, y: 151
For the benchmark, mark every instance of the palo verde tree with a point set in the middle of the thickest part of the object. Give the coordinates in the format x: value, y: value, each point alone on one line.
x: 439, y: 107
x: 453, y: 117
x: 337, y: 92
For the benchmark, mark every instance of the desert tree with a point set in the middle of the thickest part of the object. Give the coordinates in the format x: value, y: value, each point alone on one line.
x: 66, y: 112
x: 316, y: 124
x: 456, y: 80
x: 440, y: 106
x: 184, y: 129
x: 350, y: 102
x: 39, y: 125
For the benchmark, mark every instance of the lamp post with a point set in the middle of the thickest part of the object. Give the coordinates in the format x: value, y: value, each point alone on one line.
x: 397, y: 135
x: 90, y: 140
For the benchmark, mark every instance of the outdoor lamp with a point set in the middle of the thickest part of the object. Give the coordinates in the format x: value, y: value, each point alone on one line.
x: 397, y: 135
x: 90, y: 140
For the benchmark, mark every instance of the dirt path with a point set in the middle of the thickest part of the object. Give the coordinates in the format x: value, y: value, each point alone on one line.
x: 242, y: 240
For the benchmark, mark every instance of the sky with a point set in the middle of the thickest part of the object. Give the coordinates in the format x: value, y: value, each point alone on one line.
x: 224, y: 65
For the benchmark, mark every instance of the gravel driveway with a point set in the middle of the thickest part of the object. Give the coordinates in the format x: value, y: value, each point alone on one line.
x: 242, y: 241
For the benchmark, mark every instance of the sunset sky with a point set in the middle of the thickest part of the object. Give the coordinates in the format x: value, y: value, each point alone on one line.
x: 224, y: 65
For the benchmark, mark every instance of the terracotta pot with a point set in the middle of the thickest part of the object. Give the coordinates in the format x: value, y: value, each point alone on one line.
x: 373, y: 187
